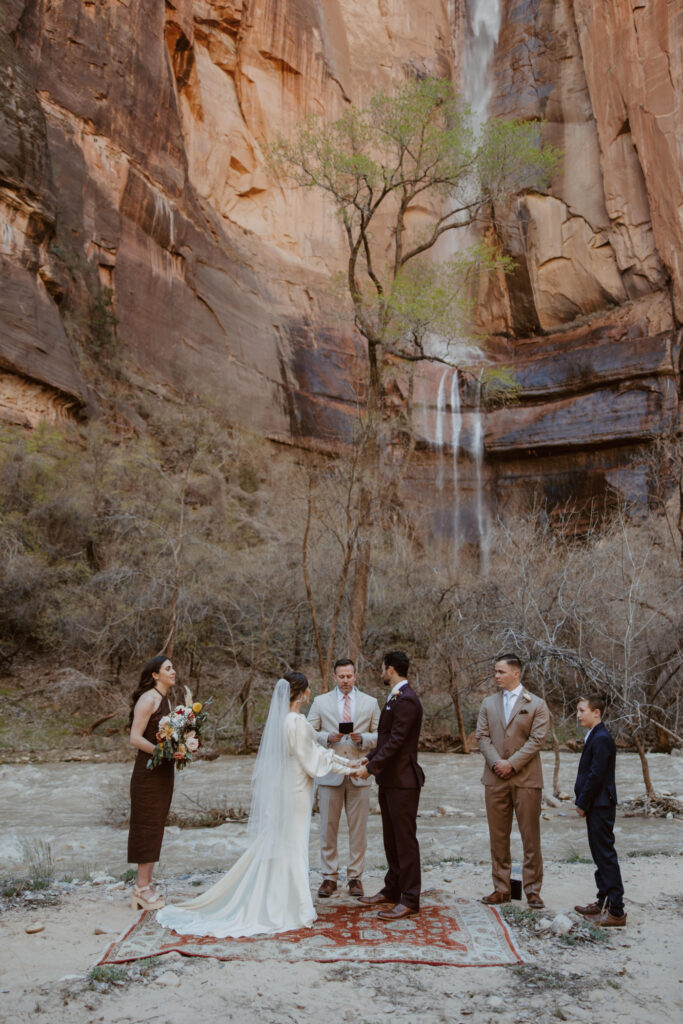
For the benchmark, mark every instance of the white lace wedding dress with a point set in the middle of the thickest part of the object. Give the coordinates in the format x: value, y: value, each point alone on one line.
x: 267, y: 890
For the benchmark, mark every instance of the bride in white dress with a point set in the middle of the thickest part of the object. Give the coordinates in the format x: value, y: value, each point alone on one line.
x: 268, y: 890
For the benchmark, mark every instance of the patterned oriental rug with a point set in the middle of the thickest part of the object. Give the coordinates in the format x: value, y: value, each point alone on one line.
x: 449, y: 932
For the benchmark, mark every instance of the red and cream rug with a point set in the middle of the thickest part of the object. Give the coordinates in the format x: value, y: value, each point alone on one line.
x: 449, y: 932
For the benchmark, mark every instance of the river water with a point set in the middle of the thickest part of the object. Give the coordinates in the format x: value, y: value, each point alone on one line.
x: 78, y: 808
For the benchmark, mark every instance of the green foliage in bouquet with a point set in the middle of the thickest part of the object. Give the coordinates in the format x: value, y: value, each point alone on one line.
x: 179, y: 736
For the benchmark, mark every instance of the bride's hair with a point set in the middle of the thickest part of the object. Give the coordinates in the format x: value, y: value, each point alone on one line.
x: 298, y: 684
x: 147, y: 681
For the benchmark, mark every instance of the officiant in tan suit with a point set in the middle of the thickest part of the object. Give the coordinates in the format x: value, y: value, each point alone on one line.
x: 344, y: 707
x: 511, y: 731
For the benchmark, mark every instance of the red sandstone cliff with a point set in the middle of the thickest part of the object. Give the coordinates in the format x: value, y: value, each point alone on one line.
x: 131, y: 158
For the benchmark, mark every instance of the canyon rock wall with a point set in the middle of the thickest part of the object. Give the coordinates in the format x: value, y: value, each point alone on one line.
x: 593, y: 309
x: 132, y: 167
x: 141, y: 127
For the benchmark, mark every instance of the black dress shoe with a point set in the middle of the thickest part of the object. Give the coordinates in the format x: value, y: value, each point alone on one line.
x: 355, y: 887
x: 398, y: 912
x: 371, y: 901
x: 327, y: 888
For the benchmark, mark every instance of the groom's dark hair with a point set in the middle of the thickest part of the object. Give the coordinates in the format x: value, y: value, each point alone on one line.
x: 397, y: 660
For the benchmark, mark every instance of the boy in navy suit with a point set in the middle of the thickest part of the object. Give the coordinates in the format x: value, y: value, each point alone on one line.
x: 596, y: 801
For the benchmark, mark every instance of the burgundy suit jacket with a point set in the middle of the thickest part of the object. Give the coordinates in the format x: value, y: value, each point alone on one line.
x: 393, y: 761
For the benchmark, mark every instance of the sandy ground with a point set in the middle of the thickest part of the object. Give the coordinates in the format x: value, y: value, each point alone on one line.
x: 634, y: 975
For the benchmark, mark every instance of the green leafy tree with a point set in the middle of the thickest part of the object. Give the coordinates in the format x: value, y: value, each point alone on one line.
x: 406, y: 159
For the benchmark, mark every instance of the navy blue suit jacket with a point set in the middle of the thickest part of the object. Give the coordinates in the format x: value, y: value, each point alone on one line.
x: 393, y: 761
x: 595, y: 785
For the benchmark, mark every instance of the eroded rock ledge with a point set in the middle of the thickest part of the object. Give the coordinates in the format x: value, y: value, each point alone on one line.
x: 131, y: 158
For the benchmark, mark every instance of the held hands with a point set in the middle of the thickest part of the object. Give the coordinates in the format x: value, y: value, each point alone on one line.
x: 503, y: 769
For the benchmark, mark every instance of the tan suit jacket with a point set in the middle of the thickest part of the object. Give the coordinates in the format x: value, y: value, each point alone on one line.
x: 324, y: 717
x: 519, y: 742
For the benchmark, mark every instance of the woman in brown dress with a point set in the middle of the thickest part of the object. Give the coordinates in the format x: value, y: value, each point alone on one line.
x: 151, y: 789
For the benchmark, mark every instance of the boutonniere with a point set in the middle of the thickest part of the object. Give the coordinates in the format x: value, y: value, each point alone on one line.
x: 526, y: 696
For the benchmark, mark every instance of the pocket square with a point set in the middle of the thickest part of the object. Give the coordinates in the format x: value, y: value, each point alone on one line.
x: 524, y: 711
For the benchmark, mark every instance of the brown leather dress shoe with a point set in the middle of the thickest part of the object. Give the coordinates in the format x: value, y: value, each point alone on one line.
x: 535, y: 901
x: 327, y: 888
x: 371, y: 901
x: 590, y: 910
x: 398, y: 912
x: 496, y: 897
x: 355, y: 887
x: 609, y: 920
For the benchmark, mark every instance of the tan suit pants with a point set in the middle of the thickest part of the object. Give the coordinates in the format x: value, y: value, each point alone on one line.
x: 356, y: 802
x: 501, y: 800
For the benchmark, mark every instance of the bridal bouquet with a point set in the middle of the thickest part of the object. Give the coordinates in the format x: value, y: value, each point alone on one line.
x: 179, y: 734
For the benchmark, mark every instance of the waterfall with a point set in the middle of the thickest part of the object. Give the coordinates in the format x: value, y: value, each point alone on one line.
x: 482, y: 26
x: 165, y: 214
x: 438, y: 430
x: 456, y: 424
x: 452, y: 404
x: 478, y: 452
x: 484, y: 20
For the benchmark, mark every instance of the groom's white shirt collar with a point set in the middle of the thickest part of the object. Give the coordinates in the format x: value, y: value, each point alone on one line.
x: 512, y: 695
x: 399, y: 685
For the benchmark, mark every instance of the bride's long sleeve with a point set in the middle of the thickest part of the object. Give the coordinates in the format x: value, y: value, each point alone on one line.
x: 314, y: 759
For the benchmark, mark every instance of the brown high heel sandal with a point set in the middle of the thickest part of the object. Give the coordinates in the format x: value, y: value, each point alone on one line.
x: 140, y: 902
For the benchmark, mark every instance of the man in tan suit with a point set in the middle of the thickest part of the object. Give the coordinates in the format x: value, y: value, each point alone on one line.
x: 344, y: 707
x: 511, y: 731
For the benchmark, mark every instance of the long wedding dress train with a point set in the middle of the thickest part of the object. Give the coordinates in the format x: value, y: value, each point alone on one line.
x: 267, y: 890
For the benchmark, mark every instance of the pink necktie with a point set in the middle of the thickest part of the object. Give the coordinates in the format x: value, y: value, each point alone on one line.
x: 347, y: 708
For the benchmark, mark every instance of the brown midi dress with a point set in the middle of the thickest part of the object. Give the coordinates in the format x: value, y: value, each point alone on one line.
x: 151, y: 790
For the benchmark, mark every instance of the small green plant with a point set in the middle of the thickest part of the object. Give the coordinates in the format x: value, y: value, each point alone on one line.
x: 576, y: 858
x: 108, y: 973
x: 583, y: 932
x: 146, y: 964
x: 540, y: 978
x: 128, y: 875
x: 519, y: 916
x: 500, y: 387
x: 11, y: 887
x: 646, y: 853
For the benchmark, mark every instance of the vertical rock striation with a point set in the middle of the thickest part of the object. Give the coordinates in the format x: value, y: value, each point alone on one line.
x: 132, y: 158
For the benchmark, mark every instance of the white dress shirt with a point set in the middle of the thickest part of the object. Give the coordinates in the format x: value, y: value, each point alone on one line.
x: 510, y: 696
x: 352, y: 704
x: 394, y: 690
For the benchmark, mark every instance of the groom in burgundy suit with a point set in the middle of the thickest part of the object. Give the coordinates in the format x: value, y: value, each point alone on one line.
x: 393, y: 762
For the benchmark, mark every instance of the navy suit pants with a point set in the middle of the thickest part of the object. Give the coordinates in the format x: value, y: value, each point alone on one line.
x: 600, y: 824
